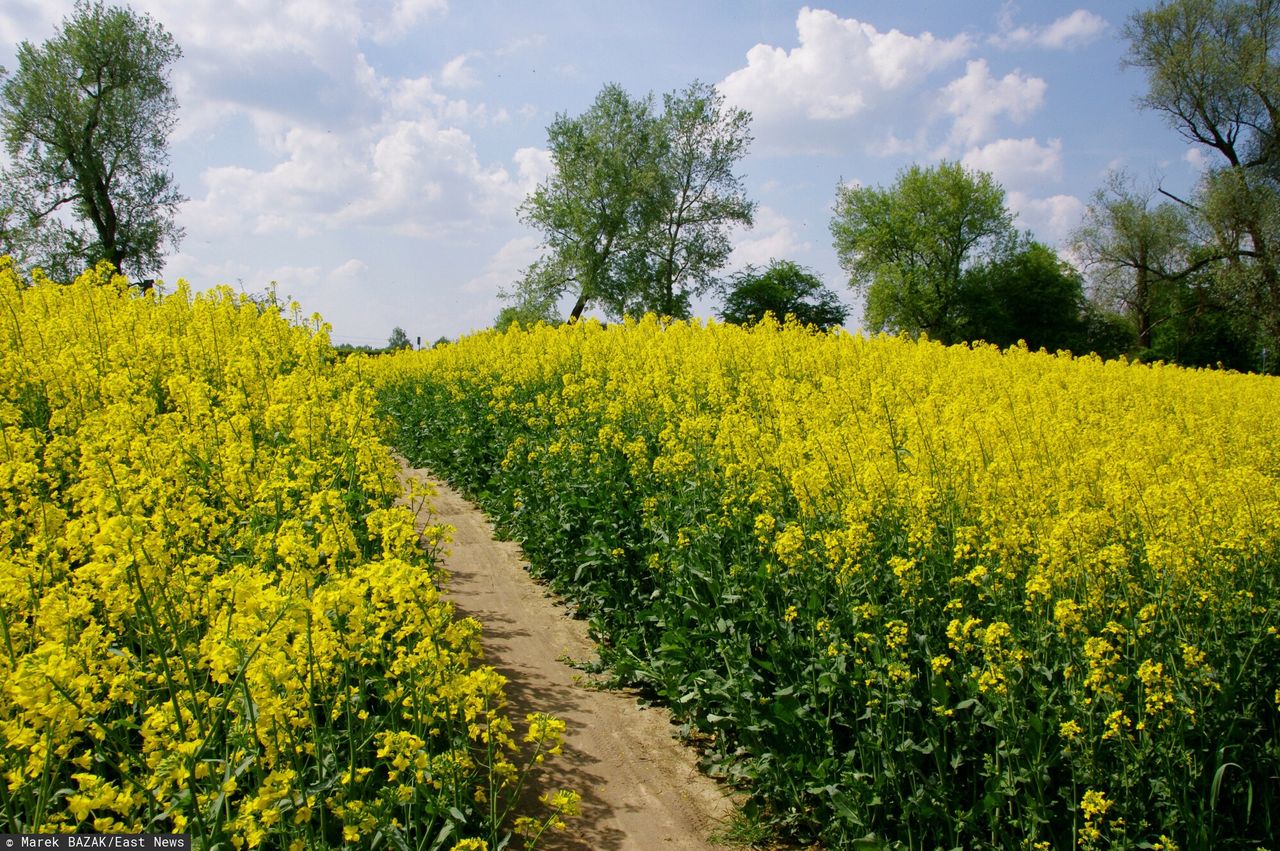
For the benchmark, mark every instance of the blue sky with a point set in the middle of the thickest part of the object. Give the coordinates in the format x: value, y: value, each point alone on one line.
x: 370, y: 156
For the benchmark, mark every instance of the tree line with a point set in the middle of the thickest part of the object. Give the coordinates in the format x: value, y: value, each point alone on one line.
x: 638, y: 211
x: 1156, y: 276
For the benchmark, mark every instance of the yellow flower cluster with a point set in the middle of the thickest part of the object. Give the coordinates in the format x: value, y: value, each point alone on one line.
x: 214, y: 618
x: 922, y: 578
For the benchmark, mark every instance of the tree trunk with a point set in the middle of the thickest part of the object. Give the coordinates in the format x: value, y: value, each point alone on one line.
x: 1142, y: 303
x: 578, y: 307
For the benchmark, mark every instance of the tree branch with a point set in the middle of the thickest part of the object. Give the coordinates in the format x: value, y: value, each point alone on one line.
x: 1181, y: 201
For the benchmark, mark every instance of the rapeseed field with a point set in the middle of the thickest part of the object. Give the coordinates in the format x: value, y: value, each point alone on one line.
x: 907, y: 595
x: 215, y: 618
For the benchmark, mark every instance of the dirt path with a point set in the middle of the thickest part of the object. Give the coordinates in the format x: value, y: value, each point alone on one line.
x: 641, y: 788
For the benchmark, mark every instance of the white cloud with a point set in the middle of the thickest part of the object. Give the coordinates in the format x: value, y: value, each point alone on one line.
x: 839, y: 67
x: 293, y: 280
x: 890, y: 144
x: 350, y: 272
x: 1197, y: 159
x: 506, y: 266
x: 344, y: 290
x: 311, y: 27
x: 533, y: 165
x: 411, y: 97
x: 1051, y: 219
x: 1070, y: 31
x: 455, y: 74
x: 297, y: 59
x: 1080, y: 27
x: 977, y: 99
x: 773, y: 237
x: 405, y: 15
x: 1016, y: 162
x: 411, y: 177
x: 339, y: 145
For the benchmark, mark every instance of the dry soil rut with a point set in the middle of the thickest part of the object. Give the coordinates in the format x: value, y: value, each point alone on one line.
x: 641, y: 788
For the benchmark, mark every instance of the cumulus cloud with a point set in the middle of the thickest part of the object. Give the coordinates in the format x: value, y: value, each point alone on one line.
x: 773, y: 237
x: 411, y: 177
x: 299, y: 59
x: 1051, y: 219
x: 506, y: 266
x: 1070, y: 31
x: 533, y: 166
x: 352, y: 271
x: 404, y: 16
x: 839, y: 67
x: 311, y: 27
x: 455, y: 74
x: 338, y: 144
x: 1016, y: 162
x: 977, y: 100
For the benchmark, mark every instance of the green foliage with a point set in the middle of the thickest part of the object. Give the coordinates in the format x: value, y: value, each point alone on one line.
x: 86, y: 118
x: 906, y: 247
x: 1203, y: 326
x: 533, y: 300
x: 635, y: 215
x: 784, y: 288
x: 883, y: 669
x: 1212, y: 71
x: 1029, y: 295
x: 1133, y: 251
x: 937, y: 253
x: 1106, y: 333
x: 702, y: 142
x: 399, y: 339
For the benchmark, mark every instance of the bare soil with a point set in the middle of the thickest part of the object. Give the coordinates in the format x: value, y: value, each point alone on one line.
x: 641, y: 788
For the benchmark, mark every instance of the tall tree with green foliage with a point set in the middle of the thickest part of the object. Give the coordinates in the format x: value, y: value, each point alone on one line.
x: 1028, y: 294
x: 1213, y: 72
x: 906, y: 247
x: 1134, y: 251
x: 604, y: 183
x: 635, y: 214
x: 783, y: 289
x: 86, y: 119
x: 701, y: 196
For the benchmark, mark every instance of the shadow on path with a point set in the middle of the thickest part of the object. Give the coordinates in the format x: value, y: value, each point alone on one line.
x: 640, y: 788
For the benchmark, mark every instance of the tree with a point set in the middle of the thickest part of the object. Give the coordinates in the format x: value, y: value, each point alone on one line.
x: 1133, y: 251
x: 605, y: 170
x: 1203, y: 325
x: 635, y: 212
x: 1150, y: 263
x: 701, y: 144
x: 907, y: 247
x: 399, y: 339
x: 532, y: 302
x: 86, y: 118
x: 1212, y: 71
x: 1106, y: 333
x: 783, y: 289
x: 1028, y: 295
